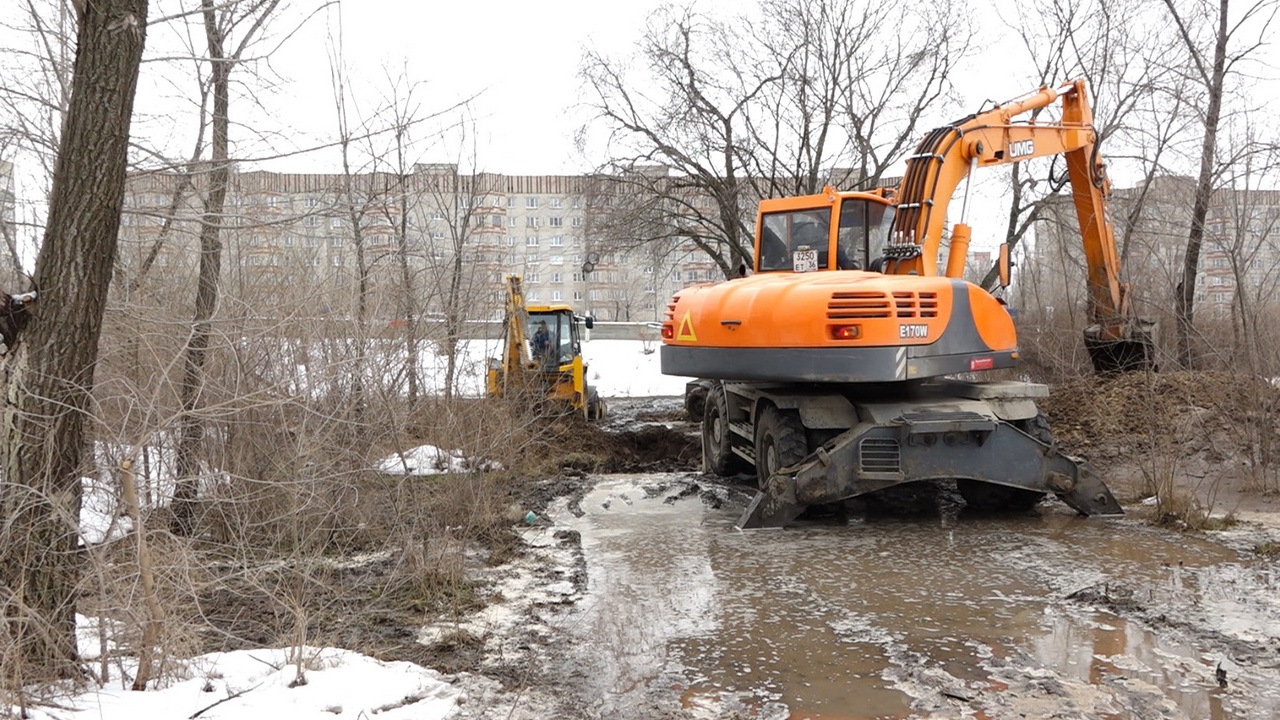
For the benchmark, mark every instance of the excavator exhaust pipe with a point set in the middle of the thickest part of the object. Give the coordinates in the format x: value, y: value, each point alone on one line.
x: 1136, y: 352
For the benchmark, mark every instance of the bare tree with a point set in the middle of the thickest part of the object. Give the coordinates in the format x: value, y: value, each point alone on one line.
x: 51, y: 373
x: 218, y: 24
x: 1216, y: 45
x: 753, y: 107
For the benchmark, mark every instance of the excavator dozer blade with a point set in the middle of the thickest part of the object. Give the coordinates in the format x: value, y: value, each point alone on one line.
x: 1134, y: 353
x: 775, y: 506
x: 1087, y: 494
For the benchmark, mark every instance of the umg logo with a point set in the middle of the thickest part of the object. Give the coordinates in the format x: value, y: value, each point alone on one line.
x: 1021, y: 148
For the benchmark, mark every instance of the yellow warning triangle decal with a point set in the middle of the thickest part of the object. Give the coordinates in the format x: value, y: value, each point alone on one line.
x: 686, y: 329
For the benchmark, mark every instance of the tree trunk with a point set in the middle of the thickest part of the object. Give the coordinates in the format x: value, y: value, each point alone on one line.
x: 190, y: 428
x: 1184, y: 303
x: 51, y: 378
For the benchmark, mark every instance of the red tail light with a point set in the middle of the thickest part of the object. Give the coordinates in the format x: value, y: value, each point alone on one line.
x: 668, y: 332
x: 846, y: 332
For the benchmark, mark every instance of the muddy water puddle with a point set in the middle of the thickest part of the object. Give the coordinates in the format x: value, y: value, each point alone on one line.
x: 1038, y: 615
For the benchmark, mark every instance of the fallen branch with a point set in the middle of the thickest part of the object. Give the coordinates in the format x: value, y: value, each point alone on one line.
x: 232, y: 696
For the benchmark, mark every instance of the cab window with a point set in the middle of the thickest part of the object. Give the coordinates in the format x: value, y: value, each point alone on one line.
x: 864, y: 231
x: 782, y: 233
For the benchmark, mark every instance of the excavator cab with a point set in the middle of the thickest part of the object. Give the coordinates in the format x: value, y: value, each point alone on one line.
x: 828, y: 231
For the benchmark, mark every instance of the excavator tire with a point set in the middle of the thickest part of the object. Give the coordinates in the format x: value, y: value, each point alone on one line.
x: 780, y: 441
x: 988, y: 497
x: 716, y: 443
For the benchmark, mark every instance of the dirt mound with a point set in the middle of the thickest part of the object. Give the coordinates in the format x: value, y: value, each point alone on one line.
x: 1112, y: 415
x: 636, y: 447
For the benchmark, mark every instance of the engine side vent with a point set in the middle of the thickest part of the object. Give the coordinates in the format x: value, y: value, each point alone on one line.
x: 879, y: 455
x: 857, y: 305
x: 868, y: 304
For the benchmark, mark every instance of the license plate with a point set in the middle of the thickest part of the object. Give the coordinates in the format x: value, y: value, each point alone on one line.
x: 804, y: 260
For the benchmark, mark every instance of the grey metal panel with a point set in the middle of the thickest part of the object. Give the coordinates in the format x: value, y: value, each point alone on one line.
x: 816, y: 365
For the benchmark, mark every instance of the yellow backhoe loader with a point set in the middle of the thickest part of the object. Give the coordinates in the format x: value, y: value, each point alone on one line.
x: 542, y: 356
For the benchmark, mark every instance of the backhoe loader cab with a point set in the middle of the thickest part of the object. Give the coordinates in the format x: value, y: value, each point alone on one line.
x: 542, y: 356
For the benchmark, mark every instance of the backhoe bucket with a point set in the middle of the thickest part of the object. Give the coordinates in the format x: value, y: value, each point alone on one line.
x: 1134, y: 353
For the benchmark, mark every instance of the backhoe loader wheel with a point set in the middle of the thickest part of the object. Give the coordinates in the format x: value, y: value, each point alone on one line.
x: 780, y: 441
x: 595, y: 405
x: 716, y: 443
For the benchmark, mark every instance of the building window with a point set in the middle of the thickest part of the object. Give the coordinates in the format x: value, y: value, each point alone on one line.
x: 531, y: 202
x: 512, y: 221
x: 335, y: 222
x: 535, y: 296
x: 511, y: 241
x: 532, y: 278
x: 336, y: 242
x: 313, y: 242
x: 495, y: 221
x: 557, y: 295
x: 557, y: 278
x: 531, y: 222
x: 311, y: 202
x: 557, y: 202
x: 311, y: 221
x: 556, y: 241
x: 335, y: 260
x: 577, y: 294
x: 437, y: 215
x: 437, y: 235
x: 497, y: 201
x: 464, y: 202
x: 577, y: 222
x: 555, y: 222
x: 531, y: 257
x: 531, y: 240
x: 557, y: 259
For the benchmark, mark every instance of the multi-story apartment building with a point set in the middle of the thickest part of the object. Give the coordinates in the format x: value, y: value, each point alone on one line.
x: 1240, y: 250
x: 8, y: 206
x: 283, y: 231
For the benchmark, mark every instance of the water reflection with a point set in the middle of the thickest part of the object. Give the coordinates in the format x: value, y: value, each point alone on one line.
x: 888, y: 618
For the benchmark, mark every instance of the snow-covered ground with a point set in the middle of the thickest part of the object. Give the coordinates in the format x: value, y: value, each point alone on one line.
x: 275, y: 683
x: 263, y: 683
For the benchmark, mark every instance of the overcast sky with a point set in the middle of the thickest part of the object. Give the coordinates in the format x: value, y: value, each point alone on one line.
x: 519, y: 60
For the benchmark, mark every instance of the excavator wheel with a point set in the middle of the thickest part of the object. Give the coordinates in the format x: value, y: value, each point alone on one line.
x: 989, y: 497
x: 780, y: 441
x: 716, y: 444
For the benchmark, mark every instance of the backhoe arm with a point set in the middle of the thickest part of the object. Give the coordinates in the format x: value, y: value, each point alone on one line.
x: 1116, y: 340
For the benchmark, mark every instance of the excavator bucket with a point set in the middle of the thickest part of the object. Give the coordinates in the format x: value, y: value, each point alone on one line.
x: 1135, y: 352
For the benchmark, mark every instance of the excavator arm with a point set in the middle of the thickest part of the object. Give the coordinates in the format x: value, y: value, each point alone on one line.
x: 1116, y: 340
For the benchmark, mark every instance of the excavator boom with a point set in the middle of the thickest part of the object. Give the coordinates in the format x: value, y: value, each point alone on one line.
x: 1116, y: 339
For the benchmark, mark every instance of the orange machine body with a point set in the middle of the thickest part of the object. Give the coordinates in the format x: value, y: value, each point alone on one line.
x: 837, y: 325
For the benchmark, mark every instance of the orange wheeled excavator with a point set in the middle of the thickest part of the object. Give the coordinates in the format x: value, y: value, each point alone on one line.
x: 832, y: 367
